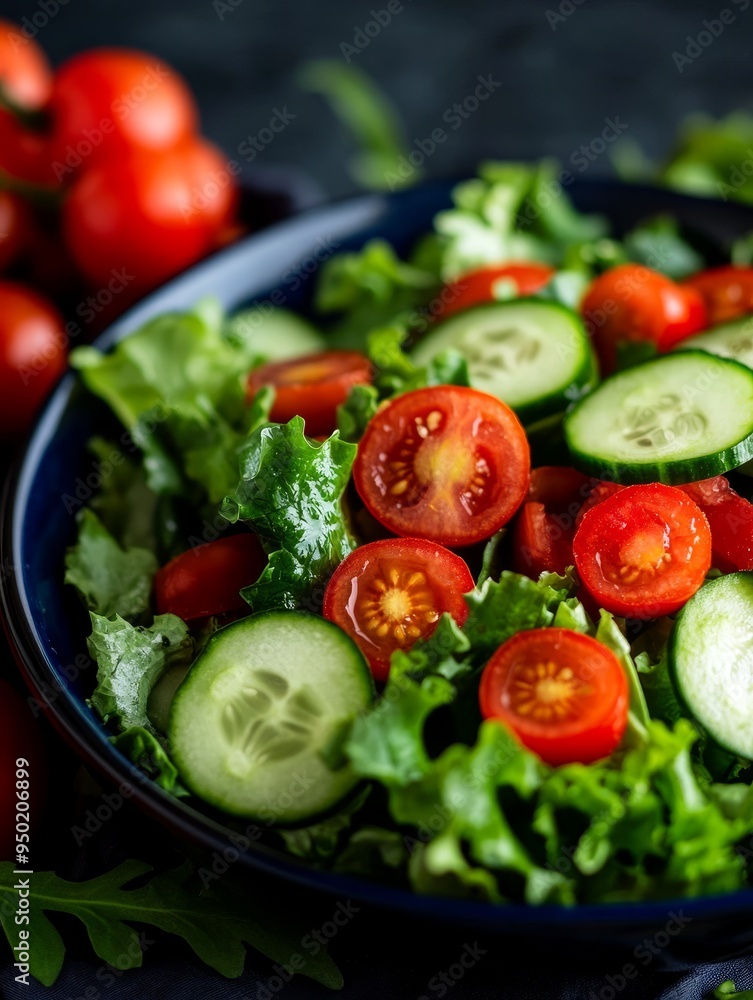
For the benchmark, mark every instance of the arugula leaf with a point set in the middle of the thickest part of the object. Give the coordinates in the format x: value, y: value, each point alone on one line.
x: 216, y: 925
x: 368, y: 116
x: 290, y: 494
x: 130, y: 660
x: 109, y: 579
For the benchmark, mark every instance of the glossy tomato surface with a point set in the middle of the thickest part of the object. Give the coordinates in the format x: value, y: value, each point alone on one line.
x: 730, y: 518
x: 632, y: 304
x: 545, y: 525
x: 644, y: 551
x: 562, y: 693
x: 478, y: 286
x: 447, y: 463
x: 312, y: 386
x: 389, y: 594
x: 207, y: 579
x: 25, y: 74
x: 727, y: 291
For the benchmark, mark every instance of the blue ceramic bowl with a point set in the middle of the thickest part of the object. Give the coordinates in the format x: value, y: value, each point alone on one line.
x: 57, y: 475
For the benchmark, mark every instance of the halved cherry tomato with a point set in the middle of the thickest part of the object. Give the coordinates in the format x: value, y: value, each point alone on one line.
x: 25, y: 74
x: 730, y: 518
x: 643, y: 552
x: 447, y: 463
x: 631, y: 303
x: 389, y: 594
x: 312, y: 386
x: 107, y: 102
x: 727, y: 291
x: 207, y: 579
x: 545, y: 525
x: 33, y: 352
x: 478, y: 286
x: 149, y: 214
x: 563, y: 694
x: 13, y: 223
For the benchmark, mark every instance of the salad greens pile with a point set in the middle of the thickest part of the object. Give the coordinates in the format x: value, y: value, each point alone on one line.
x: 452, y: 806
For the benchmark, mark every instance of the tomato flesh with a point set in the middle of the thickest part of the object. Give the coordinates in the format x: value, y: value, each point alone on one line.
x: 545, y: 525
x: 312, y: 386
x: 730, y: 518
x: 632, y: 304
x: 727, y: 291
x: 563, y: 694
x: 389, y: 594
x: 207, y: 579
x: 478, y: 286
x: 644, y: 551
x: 447, y: 463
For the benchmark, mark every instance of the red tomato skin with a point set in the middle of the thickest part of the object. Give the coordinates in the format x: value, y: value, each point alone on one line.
x: 476, y: 287
x: 591, y: 737
x: 207, y: 579
x: 25, y: 154
x: 448, y: 579
x: 25, y: 73
x: 473, y: 423
x: 33, y: 353
x: 727, y: 291
x: 545, y: 525
x: 106, y: 102
x: 14, y: 220
x: 20, y: 739
x: 730, y: 518
x: 631, y: 303
x: 314, y: 396
x: 643, y: 512
x: 148, y: 215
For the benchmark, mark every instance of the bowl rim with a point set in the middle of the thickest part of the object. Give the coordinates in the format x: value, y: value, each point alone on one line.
x: 175, y: 814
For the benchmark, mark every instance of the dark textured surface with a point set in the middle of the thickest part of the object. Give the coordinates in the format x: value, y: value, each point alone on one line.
x: 608, y: 59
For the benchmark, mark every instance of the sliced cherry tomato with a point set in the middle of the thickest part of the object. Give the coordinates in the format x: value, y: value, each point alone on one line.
x: 475, y: 287
x: 545, y: 525
x: 563, y: 694
x: 13, y: 223
x: 107, y: 102
x: 643, y: 552
x: 389, y: 594
x: 33, y: 351
x: 207, y: 579
x: 730, y: 518
x: 312, y: 386
x: 601, y: 491
x: 446, y: 463
x: 727, y: 291
x: 149, y: 214
x: 632, y: 304
x: 25, y: 74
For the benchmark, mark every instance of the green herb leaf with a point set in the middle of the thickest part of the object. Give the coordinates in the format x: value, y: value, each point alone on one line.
x: 144, y: 749
x: 290, y: 494
x: 110, y: 580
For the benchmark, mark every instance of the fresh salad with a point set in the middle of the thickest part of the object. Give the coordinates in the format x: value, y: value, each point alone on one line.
x: 451, y: 585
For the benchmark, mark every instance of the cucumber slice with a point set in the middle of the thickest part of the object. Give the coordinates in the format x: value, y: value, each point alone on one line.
x: 676, y: 419
x: 534, y: 355
x: 711, y: 659
x: 728, y: 340
x: 265, y: 698
x: 273, y: 334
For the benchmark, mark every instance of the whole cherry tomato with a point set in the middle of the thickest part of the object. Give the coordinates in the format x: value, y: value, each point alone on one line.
x: 633, y: 304
x: 475, y: 287
x: 106, y: 102
x: 25, y: 74
x: 727, y: 291
x: 33, y: 349
x: 148, y: 215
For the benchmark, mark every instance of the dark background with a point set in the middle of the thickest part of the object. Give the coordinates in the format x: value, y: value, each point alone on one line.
x: 608, y: 59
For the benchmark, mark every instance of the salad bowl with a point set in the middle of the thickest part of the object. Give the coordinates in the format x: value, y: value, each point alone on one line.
x: 57, y: 477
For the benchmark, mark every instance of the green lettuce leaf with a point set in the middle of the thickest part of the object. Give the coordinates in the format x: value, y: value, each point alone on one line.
x: 144, y: 749
x: 130, y: 661
x: 658, y: 244
x: 354, y: 414
x: 111, y: 580
x: 290, y: 494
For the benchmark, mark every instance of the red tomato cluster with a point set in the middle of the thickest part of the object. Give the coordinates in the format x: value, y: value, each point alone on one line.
x: 106, y: 190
